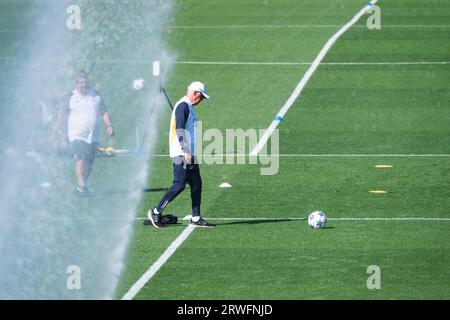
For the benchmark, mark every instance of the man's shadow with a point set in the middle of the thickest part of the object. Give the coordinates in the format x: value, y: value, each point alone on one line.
x: 253, y: 222
x: 247, y: 222
x: 123, y: 191
x: 155, y: 189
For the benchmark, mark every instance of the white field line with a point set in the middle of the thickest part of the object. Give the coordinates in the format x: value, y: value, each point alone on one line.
x: 330, y: 155
x: 306, y: 26
x: 254, y: 63
x: 337, y: 219
x: 382, y: 63
x: 211, y: 158
x: 308, y: 75
x: 158, y: 264
x: 263, y: 218
x: 364, y: 155
x: 267, y: 26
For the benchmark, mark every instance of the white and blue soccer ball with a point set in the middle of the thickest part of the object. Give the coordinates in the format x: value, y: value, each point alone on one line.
x: 317, y: 219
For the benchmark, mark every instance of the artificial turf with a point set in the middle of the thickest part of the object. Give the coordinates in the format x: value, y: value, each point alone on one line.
x: 348, y: 119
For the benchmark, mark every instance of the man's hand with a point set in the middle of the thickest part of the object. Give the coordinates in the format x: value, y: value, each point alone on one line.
x: 187, y: 158
x: 110, y: 131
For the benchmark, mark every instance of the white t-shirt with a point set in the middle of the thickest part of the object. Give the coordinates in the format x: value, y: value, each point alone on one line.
x: 85, y: 113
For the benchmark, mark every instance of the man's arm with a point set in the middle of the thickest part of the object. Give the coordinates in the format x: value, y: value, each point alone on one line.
x: 181, y: 116
x: 106, y: 118
x: 108, y: 122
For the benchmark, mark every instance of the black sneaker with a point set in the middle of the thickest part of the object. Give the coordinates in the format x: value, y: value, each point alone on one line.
x: 154, y: 218
x: 202, y: 223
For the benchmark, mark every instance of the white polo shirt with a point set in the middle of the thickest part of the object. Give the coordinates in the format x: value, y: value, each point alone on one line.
x: 85, y: 113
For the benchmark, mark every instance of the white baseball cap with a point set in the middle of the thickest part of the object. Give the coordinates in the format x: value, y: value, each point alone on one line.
x: 200, y: 87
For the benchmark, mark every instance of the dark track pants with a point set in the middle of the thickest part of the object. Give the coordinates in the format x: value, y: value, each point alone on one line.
x: 183, y: 174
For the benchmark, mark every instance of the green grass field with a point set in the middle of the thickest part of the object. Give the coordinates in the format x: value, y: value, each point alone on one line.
x: 372, y: 101
x: 358, y: 115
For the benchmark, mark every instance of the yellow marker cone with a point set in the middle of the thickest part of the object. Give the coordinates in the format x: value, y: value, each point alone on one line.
x: 384, y: 166
x: 377, y: 191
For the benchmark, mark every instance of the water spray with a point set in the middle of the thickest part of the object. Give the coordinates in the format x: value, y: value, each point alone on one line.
x: 54, y: 244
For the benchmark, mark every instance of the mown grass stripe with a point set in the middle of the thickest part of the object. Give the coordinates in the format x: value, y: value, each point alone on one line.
x: 301, y: 85
x: 134, y: 290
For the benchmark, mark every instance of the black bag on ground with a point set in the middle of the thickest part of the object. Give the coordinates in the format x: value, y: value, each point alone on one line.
x: 169, y: 219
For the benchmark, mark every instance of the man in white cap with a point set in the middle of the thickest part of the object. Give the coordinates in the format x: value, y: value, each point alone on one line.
x: 182, y: 142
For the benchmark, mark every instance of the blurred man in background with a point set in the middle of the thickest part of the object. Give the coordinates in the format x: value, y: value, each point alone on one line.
x: 86, y: 109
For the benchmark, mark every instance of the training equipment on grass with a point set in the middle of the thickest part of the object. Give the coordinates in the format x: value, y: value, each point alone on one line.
x: 165, y: 220
x: 157, y: 73
x: 383, y: 166
x: 110, y: 151
x: 317, y: 220
x: 378, y: 191
x: 225, y: 185
x: 167, y: 98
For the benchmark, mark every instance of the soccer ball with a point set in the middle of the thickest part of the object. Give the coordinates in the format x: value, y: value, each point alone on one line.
x: 317, y: 219
x: 138, y: 84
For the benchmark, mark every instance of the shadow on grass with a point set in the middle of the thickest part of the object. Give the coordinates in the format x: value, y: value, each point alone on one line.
x: 115, y: 192
x: 246, y: 222
x: 155, y: 189
x: 250, y: 222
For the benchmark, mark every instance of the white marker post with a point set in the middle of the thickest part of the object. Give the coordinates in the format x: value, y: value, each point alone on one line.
x: 156, y: 68
x: 157, y: 74
x: 138, y: 146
